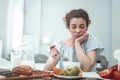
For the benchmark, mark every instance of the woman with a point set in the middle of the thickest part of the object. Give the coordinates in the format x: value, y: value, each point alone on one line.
x: 80, y: 47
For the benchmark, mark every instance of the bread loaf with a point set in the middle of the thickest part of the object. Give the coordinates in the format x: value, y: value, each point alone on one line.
x: 23, y: 70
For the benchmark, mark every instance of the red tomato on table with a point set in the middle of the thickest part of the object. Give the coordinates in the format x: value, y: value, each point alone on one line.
x: 105, y: 73
x: 111, y: 73
x: 114, y: 68
x: 116, y: 75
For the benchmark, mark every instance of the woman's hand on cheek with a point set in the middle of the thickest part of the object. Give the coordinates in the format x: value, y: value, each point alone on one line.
x: 82, y: 38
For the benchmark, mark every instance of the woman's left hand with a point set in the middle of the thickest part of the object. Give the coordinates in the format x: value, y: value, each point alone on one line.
x: 82, y: 38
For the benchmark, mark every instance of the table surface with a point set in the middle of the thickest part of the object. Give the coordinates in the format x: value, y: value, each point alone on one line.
x: 5, y: 64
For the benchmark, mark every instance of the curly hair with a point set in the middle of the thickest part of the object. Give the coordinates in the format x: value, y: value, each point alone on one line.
x: 76, y: 13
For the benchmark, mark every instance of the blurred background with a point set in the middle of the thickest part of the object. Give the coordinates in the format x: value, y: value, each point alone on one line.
x: 40, y: 22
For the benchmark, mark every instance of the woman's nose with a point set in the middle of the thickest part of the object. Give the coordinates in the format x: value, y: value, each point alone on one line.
x: 77, y: 30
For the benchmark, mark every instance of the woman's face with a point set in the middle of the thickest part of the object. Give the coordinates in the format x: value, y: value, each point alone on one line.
x: 77, y: 27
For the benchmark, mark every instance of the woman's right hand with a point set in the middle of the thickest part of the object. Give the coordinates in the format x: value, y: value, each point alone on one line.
x: 53, y: 59
x: 54, y: 52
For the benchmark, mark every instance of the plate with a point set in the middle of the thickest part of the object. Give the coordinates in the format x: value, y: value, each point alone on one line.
x: 67, y: 77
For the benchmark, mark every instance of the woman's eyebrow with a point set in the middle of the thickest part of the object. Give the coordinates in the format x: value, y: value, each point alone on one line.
x: 82, y: 24
x: 73, y: 24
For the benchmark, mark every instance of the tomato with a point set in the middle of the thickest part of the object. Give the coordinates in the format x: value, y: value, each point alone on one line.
x: 116, y: 75
x: 111, y: 73
x: 105, y: 73
x: 114, y: 68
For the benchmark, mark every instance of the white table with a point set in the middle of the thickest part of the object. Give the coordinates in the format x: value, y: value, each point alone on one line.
x: 39, y: 66
x: 4, y: 64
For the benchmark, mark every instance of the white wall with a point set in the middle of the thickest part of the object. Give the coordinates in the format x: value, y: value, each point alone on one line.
x: 14, y: 25
x: 53, y: 26
x: 3, y: 17
x: 104, y: 23
x: 1, y: 47
x: 32, y: 17
x: 3, y: 22
x: 32, y: 21
x: 115, y: 20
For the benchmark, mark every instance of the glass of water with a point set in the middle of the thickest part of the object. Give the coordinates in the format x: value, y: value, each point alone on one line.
x: 28, y: 56
x: 15, y: 59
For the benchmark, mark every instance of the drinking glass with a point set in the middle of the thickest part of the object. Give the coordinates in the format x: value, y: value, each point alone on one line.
x: 28, y: 56
x: 15, y: 59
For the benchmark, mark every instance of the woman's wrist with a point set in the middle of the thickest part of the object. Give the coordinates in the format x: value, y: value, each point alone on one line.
x: 54, y: 59
x: 77, y: 43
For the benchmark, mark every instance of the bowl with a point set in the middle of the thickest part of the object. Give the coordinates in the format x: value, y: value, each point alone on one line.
x: 67, y: 64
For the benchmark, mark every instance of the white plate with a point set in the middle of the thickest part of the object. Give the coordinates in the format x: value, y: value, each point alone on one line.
x: 86, y: 76
x: 67, y: 77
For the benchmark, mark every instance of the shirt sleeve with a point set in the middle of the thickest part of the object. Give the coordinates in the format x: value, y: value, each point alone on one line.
x: 58, y: 45
x: 93, y: 43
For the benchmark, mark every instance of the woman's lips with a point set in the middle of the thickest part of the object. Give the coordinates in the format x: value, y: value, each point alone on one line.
x: 77, y: 36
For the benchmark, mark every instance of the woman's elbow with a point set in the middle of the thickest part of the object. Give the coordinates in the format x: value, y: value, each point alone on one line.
x: 87, y: 68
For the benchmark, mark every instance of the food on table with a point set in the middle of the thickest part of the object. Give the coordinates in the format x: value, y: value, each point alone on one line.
x: 57, y: 70
x: 110, y: 73
x: 116, y: 75
x: 105, y: 73
x: 63, y: 73
x: 42, y: 72
x: 80, y: 72
x: 70, y: 71
x: 23, y: 70
x: 114, y: 68
x: 27, y: 70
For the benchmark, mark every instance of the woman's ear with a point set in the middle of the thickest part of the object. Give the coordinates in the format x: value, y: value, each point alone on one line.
x: 89, y: 21
x: 64, y: 19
